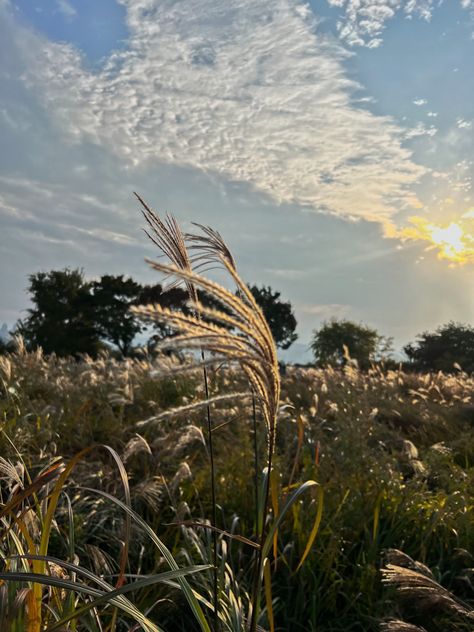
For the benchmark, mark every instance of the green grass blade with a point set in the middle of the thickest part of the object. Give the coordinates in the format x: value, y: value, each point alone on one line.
x: 109, y: 597
x: 185, y: 587
x: 288, y: 504
x: 45, y: 580
x: 165, y: 577
x: 314, y: 530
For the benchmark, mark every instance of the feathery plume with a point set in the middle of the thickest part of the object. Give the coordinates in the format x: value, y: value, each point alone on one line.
x: 239, y: 332
x: 168, y: 237
x: 399, y: 626
x: 210, y: 248
x: 418, y: 588
x: 173, y: 412
x: 249, y: 343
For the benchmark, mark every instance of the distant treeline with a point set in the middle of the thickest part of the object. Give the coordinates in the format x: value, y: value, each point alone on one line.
x: 449, y: 348
x: 71, y: 316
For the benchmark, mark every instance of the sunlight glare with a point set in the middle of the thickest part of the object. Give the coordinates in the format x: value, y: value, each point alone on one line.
x: 454, y: 241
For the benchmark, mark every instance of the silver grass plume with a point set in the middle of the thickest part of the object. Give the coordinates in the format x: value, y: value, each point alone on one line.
x: 420, y: 589
x: 249, y: 343
x: 209, y: 248
x: 241, y: 336
x: 173, y: 412
x: 399, y: 626
x: 399, y: 558
x: 168, y: 237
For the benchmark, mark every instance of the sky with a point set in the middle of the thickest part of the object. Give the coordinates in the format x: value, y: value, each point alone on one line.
x: 330, y: 142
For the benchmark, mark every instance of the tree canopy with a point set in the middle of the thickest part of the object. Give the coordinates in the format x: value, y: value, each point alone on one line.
x: 72, y: 315
x: 112, y: 297
x: 440, y: 350
x: 364, y: 344
x: 278, y: 313
x: 62, y: 317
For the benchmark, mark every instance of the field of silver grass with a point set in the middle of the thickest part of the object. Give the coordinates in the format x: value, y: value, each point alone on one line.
x: 393, y: 453
x: 197, y: 491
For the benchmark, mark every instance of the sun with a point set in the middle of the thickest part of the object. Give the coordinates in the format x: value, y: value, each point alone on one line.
x: 453, y: 242
x: 450, y: 240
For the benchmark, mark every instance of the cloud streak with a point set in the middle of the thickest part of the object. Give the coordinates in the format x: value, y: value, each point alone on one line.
x: 249, y: 91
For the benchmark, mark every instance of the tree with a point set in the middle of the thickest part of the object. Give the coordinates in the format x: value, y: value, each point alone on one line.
x: 439, y: 351
x: 278, y: 313
x: 174, y: 298
x: 363, y: 343
x: 62, y: 318
x: 71, y: 315
x: 6, y: 346
x: 112, y: 298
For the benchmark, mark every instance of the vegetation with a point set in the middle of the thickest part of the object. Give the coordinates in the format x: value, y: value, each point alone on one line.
x: 278, y: 314
x: 199, y: 492
x: 71, y: 315
x: 393, y: 452
x: 62, y: 319
x: 338, y: 341
x: 449, y: 348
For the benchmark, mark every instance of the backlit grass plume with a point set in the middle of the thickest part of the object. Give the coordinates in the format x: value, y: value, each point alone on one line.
x: 209, y: 248
x: 169, y: 238
x: 236, y: 333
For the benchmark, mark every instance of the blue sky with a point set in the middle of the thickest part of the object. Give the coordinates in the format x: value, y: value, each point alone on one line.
x: 331, y: 143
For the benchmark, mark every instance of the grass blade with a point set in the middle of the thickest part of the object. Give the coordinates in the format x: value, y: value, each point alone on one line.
x: 268, y: 593
x: 314, y: 530
x: 185, y: 587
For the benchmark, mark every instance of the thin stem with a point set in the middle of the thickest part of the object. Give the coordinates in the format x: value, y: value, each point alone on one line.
x: 255, y: 454
x: 258, y: 571
x: 213, y: 499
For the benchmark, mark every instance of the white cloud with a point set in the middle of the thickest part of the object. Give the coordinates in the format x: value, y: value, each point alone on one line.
x: 420, y: 102
x: 250, y: 91
x: 60, y: 208
x: 9, y: 210
x: 463, y: 124
x: 421, y: 130
x: 66, y: 8
x: 363, y: 21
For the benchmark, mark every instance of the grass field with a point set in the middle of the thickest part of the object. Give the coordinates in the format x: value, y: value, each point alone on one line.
x: 393, y: 454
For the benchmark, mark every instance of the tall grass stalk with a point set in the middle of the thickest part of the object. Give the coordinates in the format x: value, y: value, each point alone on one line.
x: 256, y: 460
x: 237, y: 333
x: 167, y: 235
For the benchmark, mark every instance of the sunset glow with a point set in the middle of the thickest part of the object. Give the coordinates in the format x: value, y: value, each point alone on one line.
x: 453, y: 242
